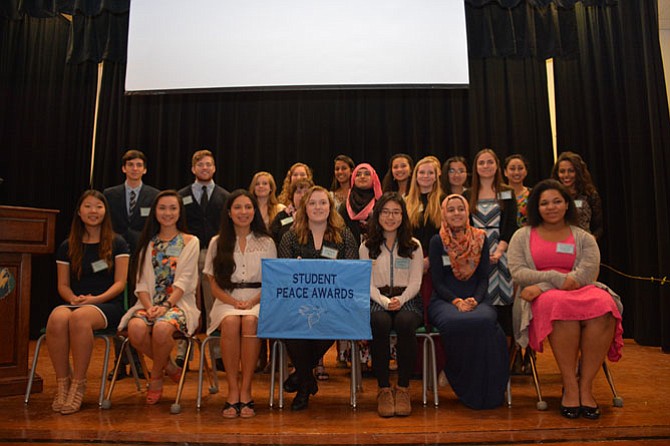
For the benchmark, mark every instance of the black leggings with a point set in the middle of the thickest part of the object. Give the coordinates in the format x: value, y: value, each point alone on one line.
x: 305, y: 354
x: 405, y: 323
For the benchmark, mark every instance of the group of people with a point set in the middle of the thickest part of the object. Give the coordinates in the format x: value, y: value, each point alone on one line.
x: 446, y: 252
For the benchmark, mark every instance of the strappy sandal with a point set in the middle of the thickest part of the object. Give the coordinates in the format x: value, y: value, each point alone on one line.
x: 176, y: 375
x: 231, y: 410
x: 154, y: 395
x: 247, y: 409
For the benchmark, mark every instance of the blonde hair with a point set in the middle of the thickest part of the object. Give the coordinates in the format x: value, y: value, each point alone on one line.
x: 273, y: 203
x: 335, y: 223
x: 413, y: 199
x: 284, y: 195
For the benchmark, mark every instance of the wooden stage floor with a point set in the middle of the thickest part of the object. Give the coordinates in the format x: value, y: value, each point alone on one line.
x: 642, y: 378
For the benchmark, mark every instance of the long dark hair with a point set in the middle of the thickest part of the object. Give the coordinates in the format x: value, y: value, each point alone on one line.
x: 389, y: 184
x: 406, y: 246
x: 335, y: 185
x: 498, y: 184
x: 152, y: 227
x: 446, y: 186
x: 583, y: 180
x: 534, y: 217
x: 224, y: 261
x: 75, y: 239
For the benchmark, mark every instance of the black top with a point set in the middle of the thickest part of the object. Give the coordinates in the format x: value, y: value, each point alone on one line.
x: 129, y: 226
x: 290, y: 248
x: 93, y: 282
x: 280, y: 225
x: 204, y: 225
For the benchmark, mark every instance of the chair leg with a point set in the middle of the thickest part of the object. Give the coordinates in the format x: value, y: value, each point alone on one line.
x: 356, y: 374
x: 133, y: 369
x: 433, y: 370
x: 541, y: 404
x: 105, y: 366
x: 31, y: 376
x: 204, y: 365
x: 176, y: 406
x: 277, y: 363
x: 617, y: 401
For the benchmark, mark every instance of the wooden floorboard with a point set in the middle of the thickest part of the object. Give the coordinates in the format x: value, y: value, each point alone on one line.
x: 642, y: 379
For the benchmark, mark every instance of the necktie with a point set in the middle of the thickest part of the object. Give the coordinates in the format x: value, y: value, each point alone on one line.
x: 204, y: 199
x: 132, y: 203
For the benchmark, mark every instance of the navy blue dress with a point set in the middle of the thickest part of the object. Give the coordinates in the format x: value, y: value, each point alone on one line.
x: 474, y: 344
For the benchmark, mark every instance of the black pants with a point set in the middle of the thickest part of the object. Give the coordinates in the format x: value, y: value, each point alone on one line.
x: 404, y: 323
x: 305, y: 354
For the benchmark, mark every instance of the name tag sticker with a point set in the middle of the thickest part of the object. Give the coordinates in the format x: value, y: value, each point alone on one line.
x: 328, y: 252
x: 286, y: 221
x: 99, y: 265
x: 579, y: 203
x: 505, y: 195
x: 565, y: 248
x: 144, y: 212
x: 173, y: 251
x: 402, y: 263
x: 187, y: 200
x: 446, y: 261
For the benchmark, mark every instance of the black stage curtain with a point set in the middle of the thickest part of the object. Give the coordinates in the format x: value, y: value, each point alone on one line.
x: 505, y: 108
x: 612, y: 108
x: 46, y: 125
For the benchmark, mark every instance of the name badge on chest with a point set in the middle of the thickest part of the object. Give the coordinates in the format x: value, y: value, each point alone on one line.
x: 579, y: 203
x: 144, y: 212
x: 402, y: 263
x: 565, y: 248
x: 173, y: 251
x: 187, y: 200
x: 286, y: 221
x: 505, y: 195
x: 99, y: 265
x: 328, y: 252
x: 446, y: 261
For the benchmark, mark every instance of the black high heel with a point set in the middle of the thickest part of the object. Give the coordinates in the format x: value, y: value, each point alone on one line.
x: 591, y: 413
x: 570, y: 412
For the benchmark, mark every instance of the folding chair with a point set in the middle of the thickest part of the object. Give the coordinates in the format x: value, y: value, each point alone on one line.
x: 98, y: 334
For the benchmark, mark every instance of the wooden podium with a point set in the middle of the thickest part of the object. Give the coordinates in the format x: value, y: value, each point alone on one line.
x: 23, y: 232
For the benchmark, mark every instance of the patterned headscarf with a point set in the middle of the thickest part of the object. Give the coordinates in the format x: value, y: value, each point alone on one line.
x: 361, y: 201
x: 464, y: 245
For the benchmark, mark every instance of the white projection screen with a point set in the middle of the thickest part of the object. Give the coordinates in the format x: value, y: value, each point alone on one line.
x: 214, y: 45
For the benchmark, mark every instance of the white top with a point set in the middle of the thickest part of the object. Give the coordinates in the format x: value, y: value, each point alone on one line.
x: 389, y: 269
x: 247, y: 269
x: 185, y: 278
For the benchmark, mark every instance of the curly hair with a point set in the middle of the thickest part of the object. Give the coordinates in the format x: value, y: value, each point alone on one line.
x: 284, y: 196
x: 583, y: 181
x: 534, y: 217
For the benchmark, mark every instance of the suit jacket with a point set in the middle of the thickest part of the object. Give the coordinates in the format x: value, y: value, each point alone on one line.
x: 204, y: 225
x: 129, y: 227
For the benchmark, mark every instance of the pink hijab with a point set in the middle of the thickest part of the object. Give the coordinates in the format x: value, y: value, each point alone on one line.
x: 360, y: 195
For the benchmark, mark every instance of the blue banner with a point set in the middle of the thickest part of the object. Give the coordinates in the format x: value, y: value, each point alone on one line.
x: 315, y: 299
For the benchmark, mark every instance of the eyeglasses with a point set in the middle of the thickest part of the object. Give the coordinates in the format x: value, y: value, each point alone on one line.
x: 394, y: 213
x: 453, y: 171
x: 363, y: 173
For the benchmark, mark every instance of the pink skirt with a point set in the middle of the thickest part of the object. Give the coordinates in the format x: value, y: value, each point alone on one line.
x: 588, y: 302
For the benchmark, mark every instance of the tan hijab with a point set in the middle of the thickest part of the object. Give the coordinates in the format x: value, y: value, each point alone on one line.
x: 463, y: 246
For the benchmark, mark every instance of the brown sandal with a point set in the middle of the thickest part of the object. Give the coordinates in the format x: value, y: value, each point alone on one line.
x: 247, y: 409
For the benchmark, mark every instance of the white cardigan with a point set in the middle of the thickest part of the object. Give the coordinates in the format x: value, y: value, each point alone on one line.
x: 186, y: 279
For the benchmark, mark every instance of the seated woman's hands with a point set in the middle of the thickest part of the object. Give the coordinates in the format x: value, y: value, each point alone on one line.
x: 156, y: 311
x: 244, y: 304
x: 394, y: 304
x: 530, y: 293
x: 465, y: 305
x: 570, y: 284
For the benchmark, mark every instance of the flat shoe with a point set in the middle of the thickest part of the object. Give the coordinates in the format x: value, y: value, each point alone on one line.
x: 291, y: 384
x: 231, y: 410
x: 247, y: 410
x: 591, y: 413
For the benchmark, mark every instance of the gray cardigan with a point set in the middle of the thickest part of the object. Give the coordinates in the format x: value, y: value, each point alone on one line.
x: 524, y: 273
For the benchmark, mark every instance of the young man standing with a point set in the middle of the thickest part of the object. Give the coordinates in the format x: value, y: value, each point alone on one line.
x: 203, y: 200
x: 129, y: 205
